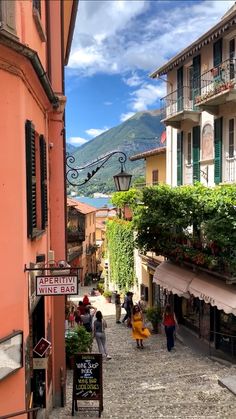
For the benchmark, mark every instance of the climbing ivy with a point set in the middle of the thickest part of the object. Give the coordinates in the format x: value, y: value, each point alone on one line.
x: 120, y: 242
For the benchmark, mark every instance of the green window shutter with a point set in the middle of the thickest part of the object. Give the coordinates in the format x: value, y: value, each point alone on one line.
x: 196, y: 153
x: 30, y: 178
x: 180, y: 90
x: 180, y: 158
x: 218, y: 125
x: 43, y: 173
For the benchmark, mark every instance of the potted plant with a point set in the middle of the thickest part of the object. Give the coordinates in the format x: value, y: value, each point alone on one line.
x: 107, y: 294
x: 154, y: 315
x: 77, y: 340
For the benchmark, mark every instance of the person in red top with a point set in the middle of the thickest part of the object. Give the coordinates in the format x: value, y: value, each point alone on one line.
x: 169, y: 321
x: 86, y: 300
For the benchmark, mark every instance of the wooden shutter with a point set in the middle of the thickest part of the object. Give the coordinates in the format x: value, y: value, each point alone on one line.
x: 196, y: 153
x: 43, y: 174
x: 31, y: 178
x: 154, y: 177
x: 180, y: 158
x: 218, y: 125
x: 180, y: 78
x: 217, y: 53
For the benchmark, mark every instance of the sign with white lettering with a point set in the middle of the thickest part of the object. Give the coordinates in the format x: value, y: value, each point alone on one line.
x: 57, y: 285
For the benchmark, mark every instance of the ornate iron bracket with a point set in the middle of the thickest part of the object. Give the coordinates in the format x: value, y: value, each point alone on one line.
x: 72, y: 173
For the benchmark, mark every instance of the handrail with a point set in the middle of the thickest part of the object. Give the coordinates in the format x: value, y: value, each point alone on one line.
x: 22, y: 412
x: 219, y: 333
x: 232, y: 337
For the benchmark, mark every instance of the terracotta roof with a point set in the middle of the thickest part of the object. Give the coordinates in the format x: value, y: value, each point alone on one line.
x: 226, y: 24
x: 80, y: 206
x: 153, y: 152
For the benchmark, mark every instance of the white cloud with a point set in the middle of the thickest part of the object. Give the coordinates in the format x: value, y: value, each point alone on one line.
x: 108, y: 103
x: 125, y: 116
x: 94, y: 132
x: 134, y: 80
x: 146, y: 95
x: 76, y: 141
x: 121, y: 36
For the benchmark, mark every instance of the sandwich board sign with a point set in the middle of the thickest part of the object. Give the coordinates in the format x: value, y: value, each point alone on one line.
x: 87, y: 382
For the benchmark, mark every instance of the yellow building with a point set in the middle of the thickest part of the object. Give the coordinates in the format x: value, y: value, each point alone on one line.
x: 155, y: 171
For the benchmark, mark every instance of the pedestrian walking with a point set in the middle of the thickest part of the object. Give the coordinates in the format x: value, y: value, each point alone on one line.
x: 169, y: 321
x: 139, y: 331
x: 86, y: 301
x: 128, y: 306
x: 72, y: 317
x: 118, y: 307
x: 99, y: 326
x: 143, y: 307
x: 87, y: 319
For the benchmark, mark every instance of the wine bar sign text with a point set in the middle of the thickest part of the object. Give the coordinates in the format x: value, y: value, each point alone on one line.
x: 56, y: 285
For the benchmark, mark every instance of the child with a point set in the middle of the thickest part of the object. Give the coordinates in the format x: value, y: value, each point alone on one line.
x: 72, y: 317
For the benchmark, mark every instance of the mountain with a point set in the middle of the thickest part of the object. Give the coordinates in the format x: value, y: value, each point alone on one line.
x: 139, y: 133
x: 70, y: 148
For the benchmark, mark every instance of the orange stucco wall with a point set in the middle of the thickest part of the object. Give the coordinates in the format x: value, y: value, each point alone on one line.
x: 22, y: 98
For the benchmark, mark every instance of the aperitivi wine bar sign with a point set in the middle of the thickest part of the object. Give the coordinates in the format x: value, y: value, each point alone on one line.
x: 56, y: 285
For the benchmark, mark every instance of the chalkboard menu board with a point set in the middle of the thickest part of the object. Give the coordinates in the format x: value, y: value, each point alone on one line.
x: 87, y: 382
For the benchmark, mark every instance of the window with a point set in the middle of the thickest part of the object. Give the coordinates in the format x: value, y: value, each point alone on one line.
x: 189, y: 148
x: 190, y: 82
x: 7, y: 18
x: 155, y: 177
x: 36, y: 174
x: 231, y: 137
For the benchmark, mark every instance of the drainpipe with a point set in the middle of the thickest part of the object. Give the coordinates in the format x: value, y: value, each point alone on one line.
x: 32, y: 55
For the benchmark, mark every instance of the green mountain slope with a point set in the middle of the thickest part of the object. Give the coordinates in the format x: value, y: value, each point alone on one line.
x: 139, y: 133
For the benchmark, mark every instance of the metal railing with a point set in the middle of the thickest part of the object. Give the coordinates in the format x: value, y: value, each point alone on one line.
x: 31, y: 413
x: 223, y: 342
x: 177, y: 101
x: 217, y: 80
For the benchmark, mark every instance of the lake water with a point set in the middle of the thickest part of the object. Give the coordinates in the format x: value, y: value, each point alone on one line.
x: 95, y: 202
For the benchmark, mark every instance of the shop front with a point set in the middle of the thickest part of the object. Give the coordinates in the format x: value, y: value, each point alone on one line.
x: 203, y: 304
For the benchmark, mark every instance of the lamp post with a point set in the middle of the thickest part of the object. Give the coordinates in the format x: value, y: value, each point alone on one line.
x: 122, y: 179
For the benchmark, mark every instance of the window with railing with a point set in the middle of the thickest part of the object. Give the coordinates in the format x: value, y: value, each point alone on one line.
x: 189, y: 148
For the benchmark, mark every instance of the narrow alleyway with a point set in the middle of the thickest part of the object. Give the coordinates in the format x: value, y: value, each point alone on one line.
x: 154, y: 383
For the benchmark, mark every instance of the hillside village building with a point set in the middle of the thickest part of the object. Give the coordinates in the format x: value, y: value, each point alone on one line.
x: 199, y: 112
x: 35, y: 40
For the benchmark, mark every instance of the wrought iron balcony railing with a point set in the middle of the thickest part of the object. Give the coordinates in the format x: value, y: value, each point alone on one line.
x: 215, y: 82
x: 178, y: 101
x: 75, y: 235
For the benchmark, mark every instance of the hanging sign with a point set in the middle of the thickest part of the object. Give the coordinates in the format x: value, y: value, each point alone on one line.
x: 42, y: 346
x: 57, y: 285
x: 87, y: 381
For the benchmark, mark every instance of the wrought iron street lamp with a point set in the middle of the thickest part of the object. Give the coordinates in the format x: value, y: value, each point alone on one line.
x: 122, y: 180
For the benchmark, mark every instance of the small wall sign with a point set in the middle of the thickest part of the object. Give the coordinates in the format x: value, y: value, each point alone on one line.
x: 42, y: 346
x: 57, y: 285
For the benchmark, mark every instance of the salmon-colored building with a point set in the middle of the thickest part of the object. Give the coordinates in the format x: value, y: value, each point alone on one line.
x: 35, y: 39
x: 81, y: 236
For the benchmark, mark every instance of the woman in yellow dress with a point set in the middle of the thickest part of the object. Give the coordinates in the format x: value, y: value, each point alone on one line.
x: 139, y: 331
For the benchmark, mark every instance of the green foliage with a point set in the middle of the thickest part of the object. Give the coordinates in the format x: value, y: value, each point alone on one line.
x: 120, y: 238
x: 190, y: 223
x: 129, y: 198
x: 77, y: 340
x: 154, y: 314
x: 100, y: 286
x: 107, y: 294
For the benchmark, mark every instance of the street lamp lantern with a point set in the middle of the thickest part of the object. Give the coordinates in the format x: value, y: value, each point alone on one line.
x: 122, y: 180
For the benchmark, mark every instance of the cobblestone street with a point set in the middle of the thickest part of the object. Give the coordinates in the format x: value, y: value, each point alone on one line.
x: 154, y: 383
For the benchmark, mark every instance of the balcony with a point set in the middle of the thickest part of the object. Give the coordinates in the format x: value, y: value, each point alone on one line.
x: 217, y: 87
x: 74, y: 235
x: 74, y: 252
x: 179, y: 106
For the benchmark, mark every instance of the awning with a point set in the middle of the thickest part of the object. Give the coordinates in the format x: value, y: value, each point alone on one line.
x: 173, y: 278
x: 215, y: 292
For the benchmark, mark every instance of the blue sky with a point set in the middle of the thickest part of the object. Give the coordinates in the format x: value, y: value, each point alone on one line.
x: 116, y: 44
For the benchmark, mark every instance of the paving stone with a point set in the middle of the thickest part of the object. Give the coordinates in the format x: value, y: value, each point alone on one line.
x: 153, y: 383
